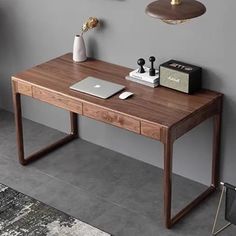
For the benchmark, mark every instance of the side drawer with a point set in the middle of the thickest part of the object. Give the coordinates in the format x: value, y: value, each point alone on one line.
x: 111, y: 117
x: 24, y: 88
x: 151, y: 130
x: 58, y: 100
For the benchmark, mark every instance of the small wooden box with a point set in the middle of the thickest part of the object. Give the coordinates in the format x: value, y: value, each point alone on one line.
x: 181, y: 76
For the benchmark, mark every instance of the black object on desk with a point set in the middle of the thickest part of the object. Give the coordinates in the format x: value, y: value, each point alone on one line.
x: 141, y: 63
x: 152, y: 71
x: 181, y: 76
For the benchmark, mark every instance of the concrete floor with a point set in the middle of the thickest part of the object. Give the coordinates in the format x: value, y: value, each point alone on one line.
x: 106, y: 189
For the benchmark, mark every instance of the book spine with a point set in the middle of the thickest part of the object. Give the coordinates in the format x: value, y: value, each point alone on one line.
x: 153, y: 85
x: 143, y: 78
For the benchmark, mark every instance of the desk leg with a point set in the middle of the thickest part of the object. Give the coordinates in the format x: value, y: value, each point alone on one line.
x: 20, y: 139
x: 168, y: 156
x: 216, y: 149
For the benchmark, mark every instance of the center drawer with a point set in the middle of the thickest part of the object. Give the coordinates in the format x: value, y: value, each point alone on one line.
x: 111, y: 117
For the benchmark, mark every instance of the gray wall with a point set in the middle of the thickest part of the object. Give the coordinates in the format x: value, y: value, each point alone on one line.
x: 34, y: 31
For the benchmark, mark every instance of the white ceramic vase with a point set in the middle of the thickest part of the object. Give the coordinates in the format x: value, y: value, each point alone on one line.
x: 79, y: 49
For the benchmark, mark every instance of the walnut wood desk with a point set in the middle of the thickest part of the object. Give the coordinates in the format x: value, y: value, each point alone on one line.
x: 161, y: 114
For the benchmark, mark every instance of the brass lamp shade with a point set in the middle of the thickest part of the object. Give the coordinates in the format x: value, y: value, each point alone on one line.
x: 175, y: 11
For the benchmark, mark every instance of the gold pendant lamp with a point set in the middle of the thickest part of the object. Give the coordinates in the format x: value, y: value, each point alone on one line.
x: 175, y: 11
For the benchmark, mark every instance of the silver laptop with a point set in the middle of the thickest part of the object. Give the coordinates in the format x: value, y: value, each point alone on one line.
x: 97, y: 87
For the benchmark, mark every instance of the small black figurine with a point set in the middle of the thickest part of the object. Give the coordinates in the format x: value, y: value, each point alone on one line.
x: 141, y: 63
x: 152, y: 71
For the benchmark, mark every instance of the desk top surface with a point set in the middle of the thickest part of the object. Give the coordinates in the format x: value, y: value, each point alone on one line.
x: 158, y: 105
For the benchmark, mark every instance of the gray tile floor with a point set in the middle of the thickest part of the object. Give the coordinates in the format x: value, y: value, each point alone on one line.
x: 106, y: 189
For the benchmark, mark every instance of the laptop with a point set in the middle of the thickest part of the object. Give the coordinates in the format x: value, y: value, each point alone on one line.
x: 97, y: 87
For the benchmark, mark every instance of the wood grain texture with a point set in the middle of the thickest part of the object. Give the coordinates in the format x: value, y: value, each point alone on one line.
x: 19, y: 131
x: 151, y: 130
x: 111, y: 117
x: 196, y: 118
x: 162, y: 114
x: 24, y: 88
x: 163, y: 106
x: 58, y: 100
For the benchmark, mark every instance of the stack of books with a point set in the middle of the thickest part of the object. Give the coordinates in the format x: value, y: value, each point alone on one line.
x: 144, y: 78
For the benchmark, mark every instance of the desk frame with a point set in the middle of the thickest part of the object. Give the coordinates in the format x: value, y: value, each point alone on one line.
x: 169, y: 135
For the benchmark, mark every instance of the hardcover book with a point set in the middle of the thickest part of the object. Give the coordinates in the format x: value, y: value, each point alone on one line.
x: 153, y: 85
x: 145, y: 76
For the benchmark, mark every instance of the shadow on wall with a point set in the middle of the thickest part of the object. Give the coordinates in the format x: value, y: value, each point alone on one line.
x: 210, y: 78
x: 2, y: 69
x: 1, y: 38
x: 92, y: 47
x: 8, y: 54
x: 1, y: 24
x: 5, y: 27
x: 91, y: 44
x: 228, y: 138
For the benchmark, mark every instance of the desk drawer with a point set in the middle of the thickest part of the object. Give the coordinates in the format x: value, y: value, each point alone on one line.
x: 111, y: 117
x: 151, y: 130
x: 24, y: 88
x: 58, y: 100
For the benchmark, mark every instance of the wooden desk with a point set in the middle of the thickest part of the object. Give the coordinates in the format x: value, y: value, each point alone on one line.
x: 160, y: 113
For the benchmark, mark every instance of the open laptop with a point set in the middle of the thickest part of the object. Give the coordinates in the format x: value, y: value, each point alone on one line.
x: 97, y: 87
